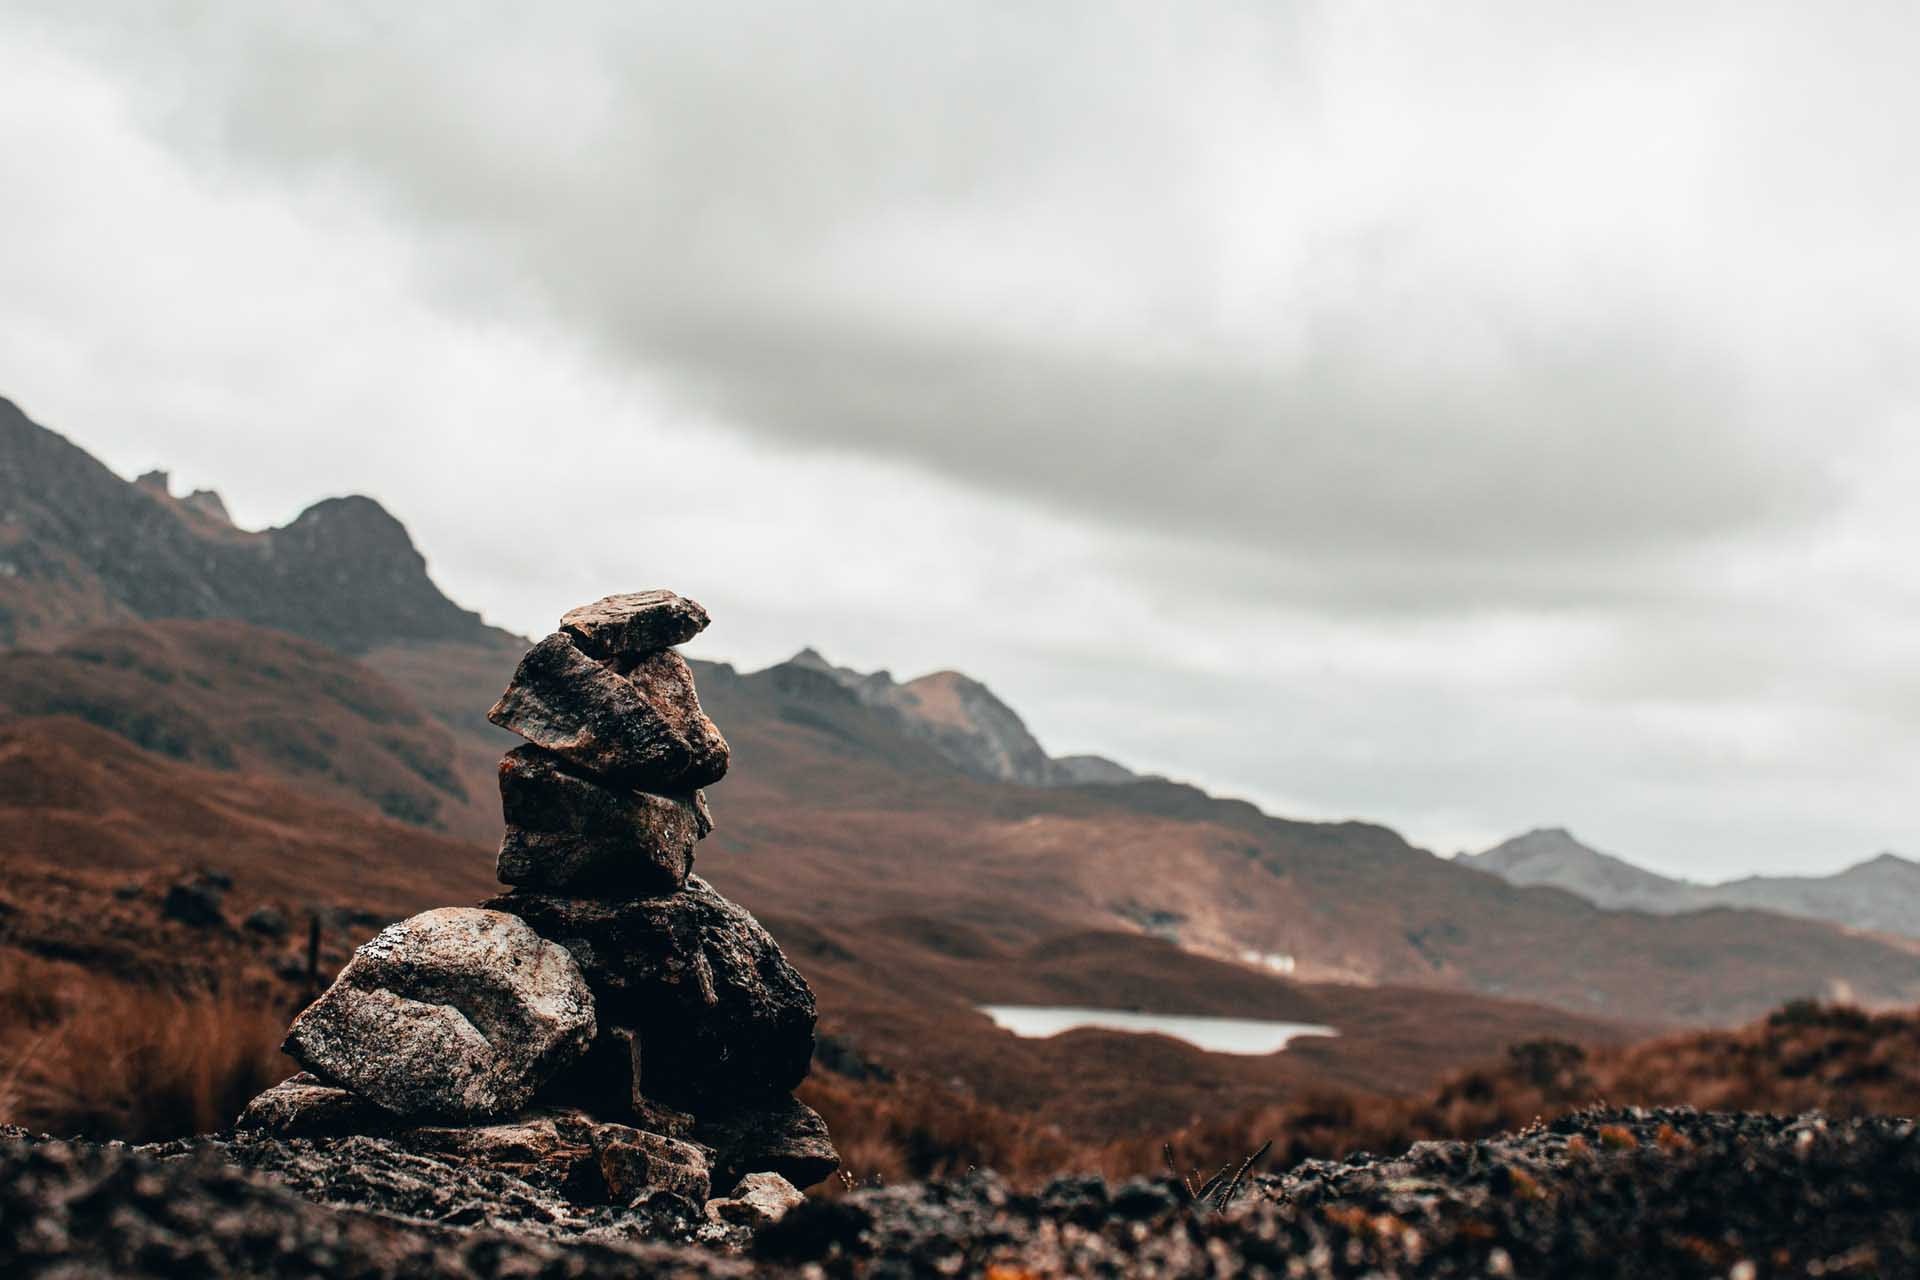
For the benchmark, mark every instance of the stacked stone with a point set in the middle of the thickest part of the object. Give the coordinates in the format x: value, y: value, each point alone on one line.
x: 611, y: 1023
x: 705, y: 1028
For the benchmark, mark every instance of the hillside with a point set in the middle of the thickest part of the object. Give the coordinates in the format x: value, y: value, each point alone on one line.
x: 80, y: 547
x: 1881, y: 894
x: 327, y: 746
x: 226, y: 696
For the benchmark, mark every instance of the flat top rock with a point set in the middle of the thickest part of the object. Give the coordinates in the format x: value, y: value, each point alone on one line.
x: 633, y: 623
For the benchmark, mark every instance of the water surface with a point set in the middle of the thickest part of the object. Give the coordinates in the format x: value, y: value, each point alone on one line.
x: 1215, y: 1035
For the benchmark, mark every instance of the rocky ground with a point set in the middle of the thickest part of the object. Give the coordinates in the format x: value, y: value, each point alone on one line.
x: 1602, y: 1193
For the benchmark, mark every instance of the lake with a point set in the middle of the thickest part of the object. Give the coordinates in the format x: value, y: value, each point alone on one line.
x: 1255, y: 1036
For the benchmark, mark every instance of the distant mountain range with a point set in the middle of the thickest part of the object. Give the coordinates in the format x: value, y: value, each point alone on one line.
x: 1881, y: 894
x: 303, y: 709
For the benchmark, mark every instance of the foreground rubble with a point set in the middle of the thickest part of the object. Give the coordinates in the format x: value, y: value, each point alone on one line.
x: 1597, y: 1194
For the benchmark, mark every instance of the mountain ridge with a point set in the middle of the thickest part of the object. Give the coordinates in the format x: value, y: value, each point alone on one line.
x: 81, y: 547
x: 1879, y: 894
x: 969, y: 724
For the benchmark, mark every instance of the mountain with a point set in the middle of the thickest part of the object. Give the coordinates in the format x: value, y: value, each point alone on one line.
x: 1551, y: 856
x: 80, y: 547
x: 319, y: 735
x: 967, y: 724
x: 1881, y: 894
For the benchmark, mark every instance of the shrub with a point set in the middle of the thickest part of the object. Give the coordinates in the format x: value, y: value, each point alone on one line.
x: 85, y: 1054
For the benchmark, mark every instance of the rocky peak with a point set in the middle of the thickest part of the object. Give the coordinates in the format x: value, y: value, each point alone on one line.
x: 1552, y: 856
x: 966, y: 722
x: 79, y: 547
x: 207, y: 503
x: 1883, y: 866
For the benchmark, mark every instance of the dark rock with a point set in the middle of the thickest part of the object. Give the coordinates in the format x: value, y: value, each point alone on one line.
x: 665, y: 684
x: 566, y: 1151
x: 635, y: 623
x: 606, y: 1083
x: 268, y: 921
x: 566, y: 832
x: 719, y: 1010
x: 454, y: 1014
x: 760, y: 1200
x: 783, y: 1136
x: 195, y: 903
x: 304, y: 1106
x: 1141, y: 1200
x: 638, y: 723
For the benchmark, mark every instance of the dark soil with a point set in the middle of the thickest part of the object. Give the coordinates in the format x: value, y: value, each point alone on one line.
x: 1602, y: 1193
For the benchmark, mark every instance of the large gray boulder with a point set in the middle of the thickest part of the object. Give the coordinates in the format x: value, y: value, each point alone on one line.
x: 569, y: 833
x: 635, y: 721
x: 716, y: 1009
x: 456, y: 1014
x: 634, y: 623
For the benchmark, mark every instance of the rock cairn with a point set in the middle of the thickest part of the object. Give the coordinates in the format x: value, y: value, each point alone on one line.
x: 611, y: 1026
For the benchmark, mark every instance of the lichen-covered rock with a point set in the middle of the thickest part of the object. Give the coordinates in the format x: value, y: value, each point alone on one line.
x: 634, y: 623
x: 304, y: 1106
x: 719, y: 1011
x: 455, y: 1014
x: 570, y: 833
x: 760, y: 1200
x: 636, y: 721
x: 586, y: 1161
x: 780, y: 1135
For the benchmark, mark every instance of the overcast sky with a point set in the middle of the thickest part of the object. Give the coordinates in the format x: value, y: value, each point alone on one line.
x: 1466, y: 417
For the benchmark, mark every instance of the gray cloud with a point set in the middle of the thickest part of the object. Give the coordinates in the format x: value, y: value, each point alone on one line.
x: 1133, y: 266
x: 1502, y: 410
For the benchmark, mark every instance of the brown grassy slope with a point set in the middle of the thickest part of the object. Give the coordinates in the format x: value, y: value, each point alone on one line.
x: 82, y: 814
x: 909, y: 893
x: 831, y: 818
x: 226, y: 696
x: 78, y: 798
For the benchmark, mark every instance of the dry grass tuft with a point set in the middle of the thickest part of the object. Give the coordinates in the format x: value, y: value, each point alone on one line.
x: 86, y: 1054
x: 904, y: 1130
